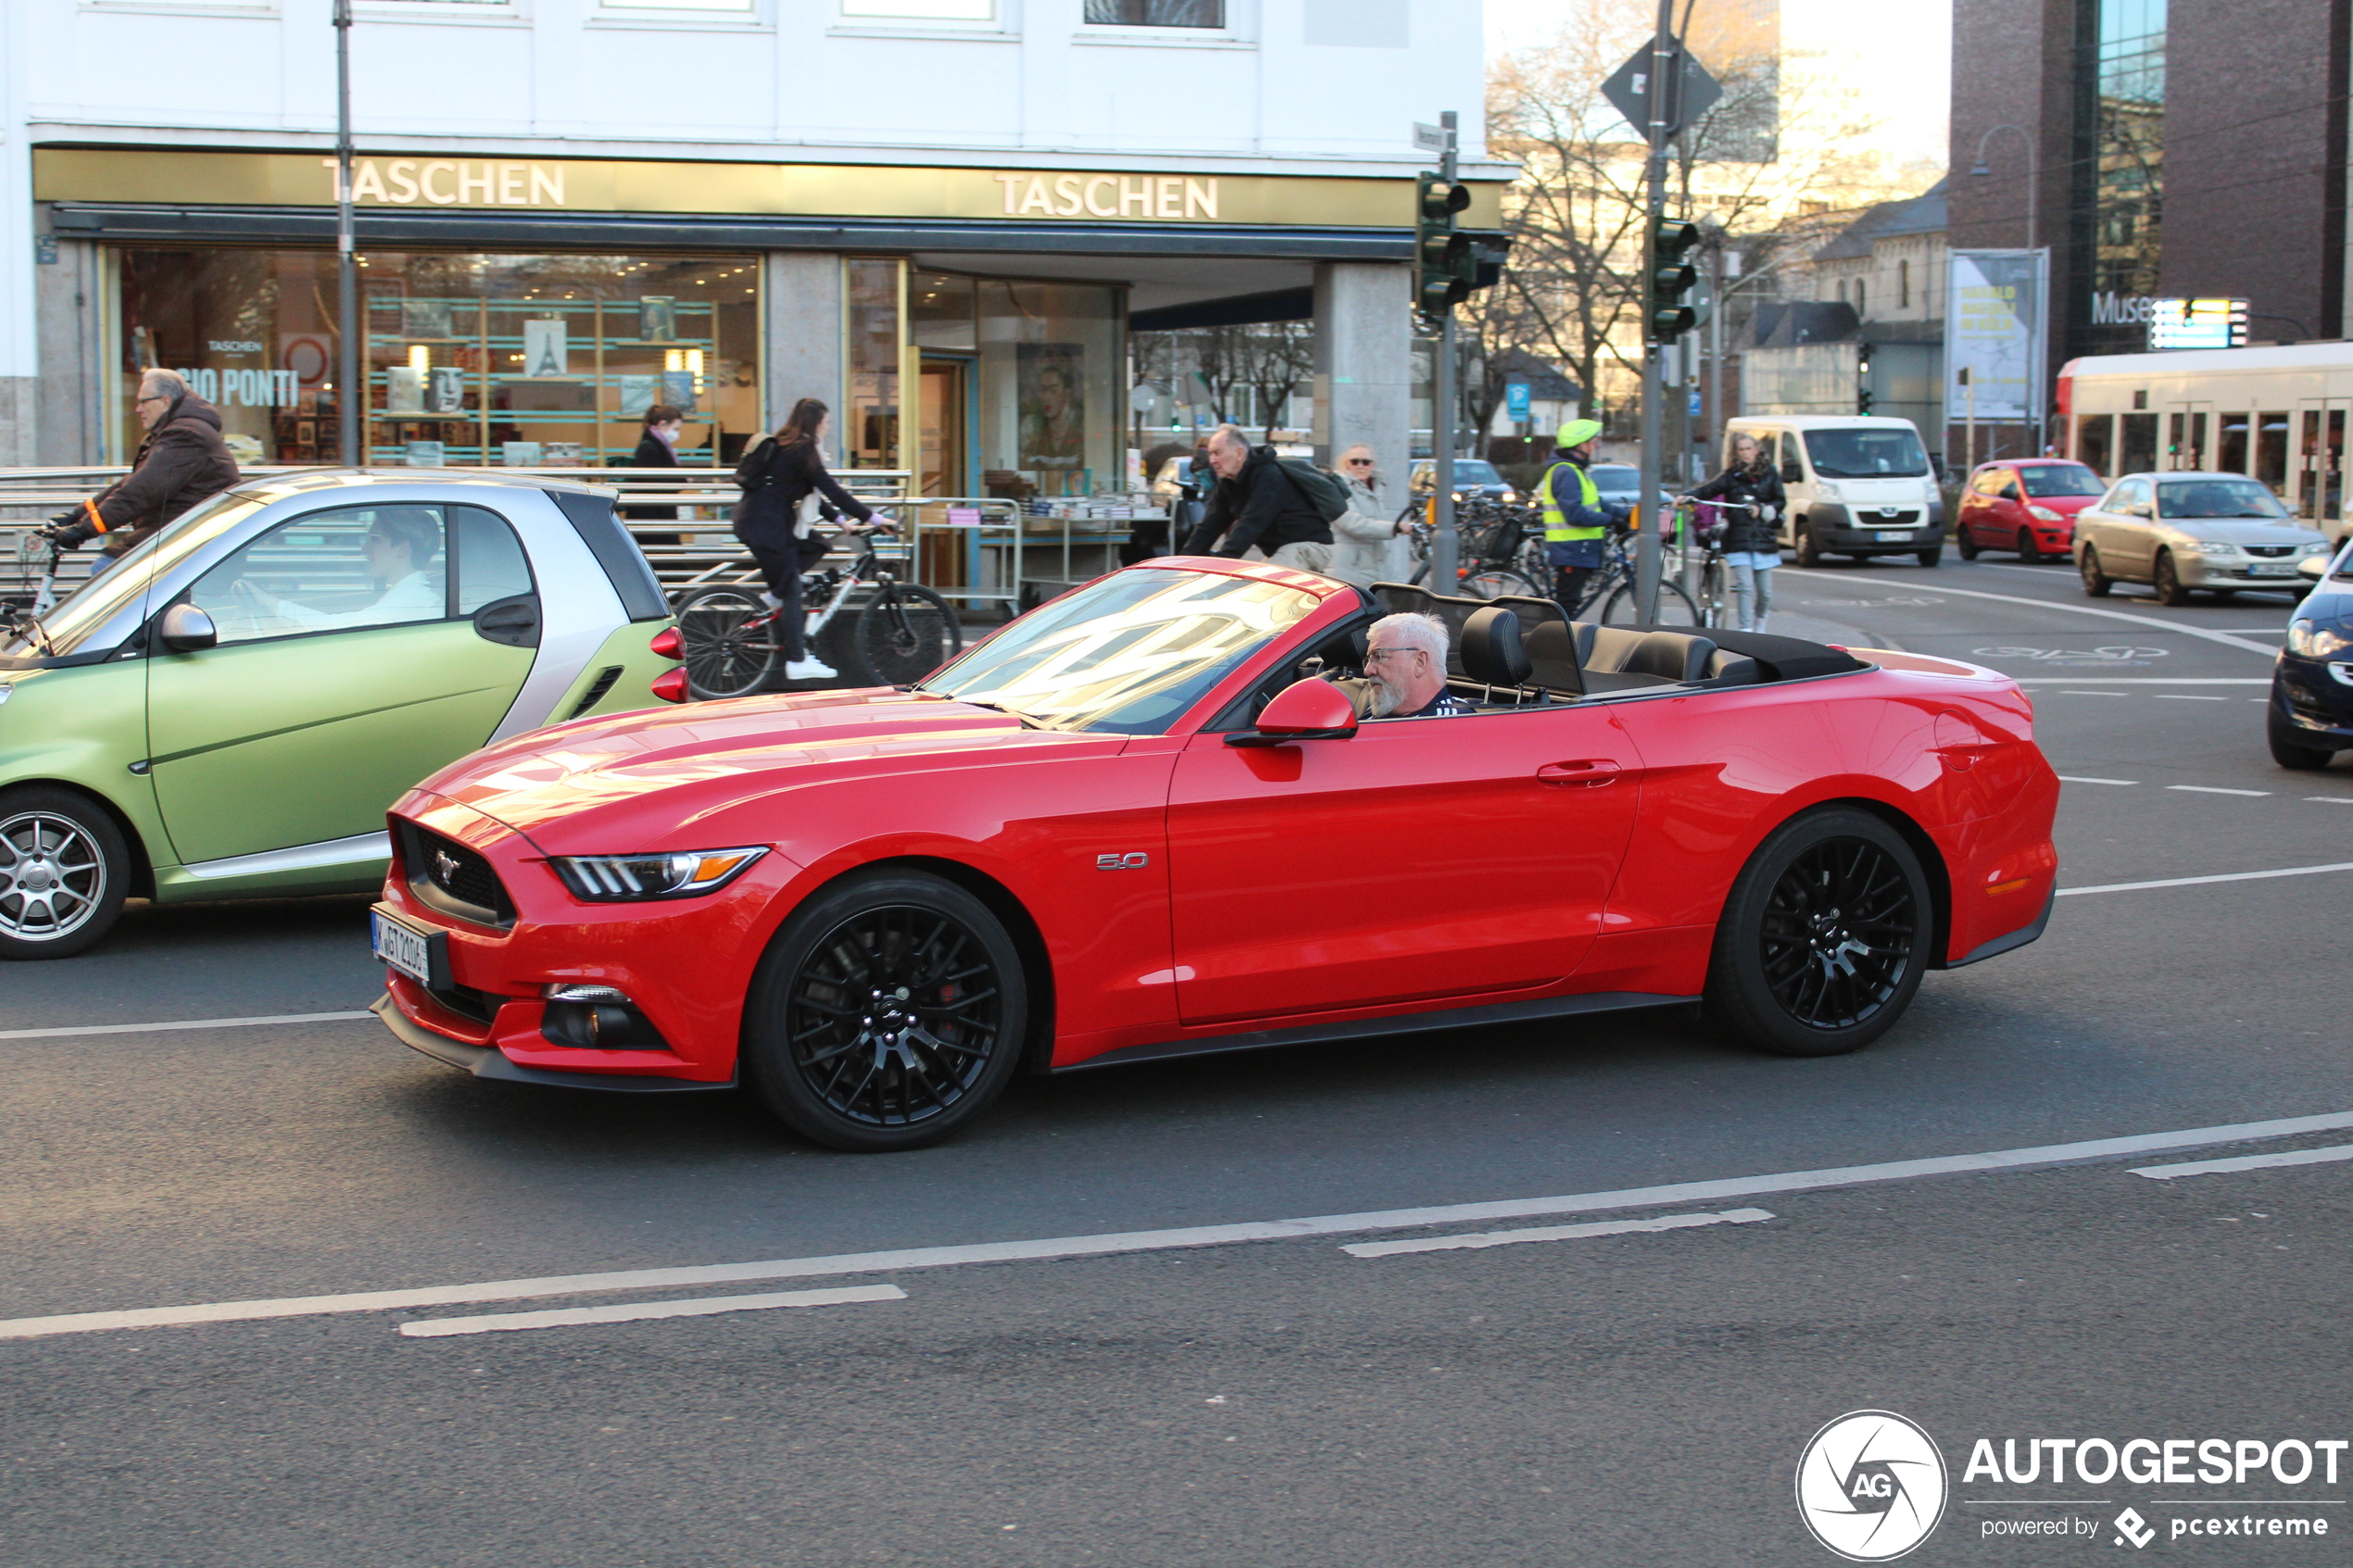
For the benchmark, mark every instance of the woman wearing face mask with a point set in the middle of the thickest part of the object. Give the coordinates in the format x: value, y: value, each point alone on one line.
x: 1752, y: 527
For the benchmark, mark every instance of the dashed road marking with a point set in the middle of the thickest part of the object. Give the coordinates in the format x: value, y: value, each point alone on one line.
x: 2213, y: 789
x: 1554, y: 1232
x: 639, y: 1312
x: 2186, y: 697
x: 2184, y: 881
x: 2181, y: 628
x: 2246, y: 1163
x: 2076, y: 778
x: 2331, y: 799
x: 2095, y: 694
x: 1123, y: 1242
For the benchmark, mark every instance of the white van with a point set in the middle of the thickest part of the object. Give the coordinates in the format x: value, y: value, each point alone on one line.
x: 1858, y: 485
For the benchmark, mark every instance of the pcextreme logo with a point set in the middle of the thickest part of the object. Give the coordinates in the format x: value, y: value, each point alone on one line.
x: 1871, y: 1486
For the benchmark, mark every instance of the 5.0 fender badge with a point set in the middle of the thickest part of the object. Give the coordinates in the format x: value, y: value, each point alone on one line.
x: 1131, y: 862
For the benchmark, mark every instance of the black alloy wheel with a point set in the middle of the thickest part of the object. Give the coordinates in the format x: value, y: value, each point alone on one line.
x: 64, y: 873
x: 889, y: 1012
x: 2096, y: 582
x: 724, y: 652
x: 1824, y: 939
x: 2167, y: 581
x: 2027, y: 552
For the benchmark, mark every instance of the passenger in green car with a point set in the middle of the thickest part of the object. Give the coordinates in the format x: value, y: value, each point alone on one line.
x: 399, y: 549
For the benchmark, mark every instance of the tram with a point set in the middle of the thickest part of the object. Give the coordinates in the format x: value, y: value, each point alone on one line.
x: 2276, y: 415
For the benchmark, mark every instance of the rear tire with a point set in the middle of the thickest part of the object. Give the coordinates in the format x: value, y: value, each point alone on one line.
x: 64, y: 873
x: 2167, y: 581
x: 1675, y: 608
x: 889, y: 1012
x: 2096, y: 582
x: 722, y: 658
x: 1966, y: 545
x: 2288, y: 751
x: 1824, y: 938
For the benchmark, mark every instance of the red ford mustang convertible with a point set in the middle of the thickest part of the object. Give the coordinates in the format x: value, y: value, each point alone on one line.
x: 1153, y: 817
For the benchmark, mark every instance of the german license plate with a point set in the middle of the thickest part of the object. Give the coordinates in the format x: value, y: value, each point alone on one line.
x: 2271, y: 569
x: 401, y: 946
x: 1894, y: 535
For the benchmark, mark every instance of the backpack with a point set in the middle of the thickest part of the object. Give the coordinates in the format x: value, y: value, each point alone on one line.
x: 1320, y: 488
x: 751, y: 471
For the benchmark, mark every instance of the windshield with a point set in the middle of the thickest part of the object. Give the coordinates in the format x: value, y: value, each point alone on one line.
x: 1471, y: 470
x: 1866, y: 453
x: 96, y: 603
x: 2046, y: 480
x: 1128, y: 654
x: 2217, y: 497
x: 1616, y: 476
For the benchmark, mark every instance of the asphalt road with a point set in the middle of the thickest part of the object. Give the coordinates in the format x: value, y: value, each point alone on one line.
x: 1597, y: 1398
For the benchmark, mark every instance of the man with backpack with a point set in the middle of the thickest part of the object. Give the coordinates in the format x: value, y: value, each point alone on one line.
x: 1282, y: 506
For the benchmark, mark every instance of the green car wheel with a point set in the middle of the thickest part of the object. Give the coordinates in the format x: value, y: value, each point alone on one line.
x: 64, y: 871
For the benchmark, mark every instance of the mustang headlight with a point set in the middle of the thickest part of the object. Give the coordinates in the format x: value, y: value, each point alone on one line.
x: 621, y: 879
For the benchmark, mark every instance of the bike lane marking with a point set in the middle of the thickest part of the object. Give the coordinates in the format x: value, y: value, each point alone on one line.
x: 2225, y: 638
x: 177, y: 1024
x: 1049, y: 1248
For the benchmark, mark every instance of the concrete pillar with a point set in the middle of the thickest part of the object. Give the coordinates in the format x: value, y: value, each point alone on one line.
x: 1365, y: 364
x: 803, y: 305
x: 67, y: 425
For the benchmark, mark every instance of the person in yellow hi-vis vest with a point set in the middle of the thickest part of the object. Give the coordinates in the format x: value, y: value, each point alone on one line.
x: 1576, y: 520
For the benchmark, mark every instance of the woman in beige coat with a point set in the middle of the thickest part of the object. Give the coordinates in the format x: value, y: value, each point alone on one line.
x: 1363, y: 537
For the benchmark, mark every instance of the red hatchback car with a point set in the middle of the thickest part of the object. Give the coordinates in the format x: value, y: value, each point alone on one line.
x: 1153, y: 817
x: 2027, y: 505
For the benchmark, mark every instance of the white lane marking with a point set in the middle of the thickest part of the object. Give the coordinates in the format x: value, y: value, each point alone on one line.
x: 636, y: 1312
x: 1164, y: 1240
x: 2246, y: 1163
x: 2077, y: 778
x: 1554, y: 1232
x: 177, y: 1024
x: 2331, y: 799
x: 2189, y: 696
x: 2095, y: 694
x: 2268, y: 650
x: 2199, y: 881
x: 2148, y: 681
x: 2215, y: 789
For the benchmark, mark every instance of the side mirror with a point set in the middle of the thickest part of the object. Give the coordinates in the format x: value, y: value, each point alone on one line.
x: 2312, y: 567
x: 186, y: 628
x: 1308, y: 711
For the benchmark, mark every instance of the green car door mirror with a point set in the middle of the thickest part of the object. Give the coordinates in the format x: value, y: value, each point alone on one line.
x: 186, y: 628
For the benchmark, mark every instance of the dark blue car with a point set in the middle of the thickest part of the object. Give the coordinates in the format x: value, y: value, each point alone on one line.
x: 2311, y: 713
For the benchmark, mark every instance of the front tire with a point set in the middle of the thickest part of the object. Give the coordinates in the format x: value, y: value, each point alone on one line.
x: 1930, y: 558
x: 2288, y: 751
x: 2167, y: 581
x: 2027, y: 552
x: 889, y: 1012
x: 2096, y: 582
x: 1965, y: 544
x: 1824, y: 938
x: 899, y: 640
x: 64, y: 873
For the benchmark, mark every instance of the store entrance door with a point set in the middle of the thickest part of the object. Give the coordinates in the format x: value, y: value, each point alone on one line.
x: 944, y: 448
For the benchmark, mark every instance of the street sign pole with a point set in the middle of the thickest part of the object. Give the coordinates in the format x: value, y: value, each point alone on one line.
x: 1665, y: 66
x: 1445, y: 551
x: 351, y: 393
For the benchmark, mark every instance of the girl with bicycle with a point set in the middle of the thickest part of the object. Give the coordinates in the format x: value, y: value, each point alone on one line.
x: 1752, y: 493
x: 786, y: 493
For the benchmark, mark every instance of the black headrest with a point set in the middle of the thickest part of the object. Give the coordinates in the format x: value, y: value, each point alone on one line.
x: 1636, y: 650
x: 1491, y: 652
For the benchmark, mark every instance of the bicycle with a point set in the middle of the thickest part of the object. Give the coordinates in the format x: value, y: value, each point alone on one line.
x: 1613, y: 589
x: 902, y: 632
x: 1490, y: 539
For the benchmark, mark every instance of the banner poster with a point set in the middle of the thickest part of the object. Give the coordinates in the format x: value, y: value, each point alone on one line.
x: 1995, y: 320
x: 1053, y: 422
x: 546, y: 351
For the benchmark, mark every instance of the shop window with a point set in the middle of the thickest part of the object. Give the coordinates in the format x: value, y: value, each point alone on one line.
x: 2092, y: 443
x: 1156, y: 13
x: 2231, y: 447
x: 471, y: 360
x: 738, y: 8
x: 869, y: 426
x: 1049, y: 385
x: 2137, y: 453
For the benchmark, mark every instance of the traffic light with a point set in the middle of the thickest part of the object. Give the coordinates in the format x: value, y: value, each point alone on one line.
x: 1672, y: 278
x: 1445, y: 267
x: 1863, y: 378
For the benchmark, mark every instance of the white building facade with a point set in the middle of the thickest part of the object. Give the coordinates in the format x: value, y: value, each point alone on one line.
x: 941, y: 216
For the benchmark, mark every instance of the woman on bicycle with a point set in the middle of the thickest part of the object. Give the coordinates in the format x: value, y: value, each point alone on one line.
x: 778, y: 524
x: 1752, y: 528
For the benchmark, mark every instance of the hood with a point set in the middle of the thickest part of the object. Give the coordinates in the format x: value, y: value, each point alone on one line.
x: 2240, y: 531
x: 575, y: 784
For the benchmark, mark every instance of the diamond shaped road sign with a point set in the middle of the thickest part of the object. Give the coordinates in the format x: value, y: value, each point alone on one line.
x: 1628, y: 91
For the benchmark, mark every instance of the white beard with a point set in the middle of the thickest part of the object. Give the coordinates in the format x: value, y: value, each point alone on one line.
x: 1386, y: 698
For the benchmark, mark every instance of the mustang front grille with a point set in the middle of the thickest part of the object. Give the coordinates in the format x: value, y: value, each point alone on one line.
x: 447, y: 876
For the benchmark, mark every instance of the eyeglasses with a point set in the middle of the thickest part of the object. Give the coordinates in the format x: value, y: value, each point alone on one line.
x: 1360, y: 462
x: 1374, y: 656
x: 142, y: 402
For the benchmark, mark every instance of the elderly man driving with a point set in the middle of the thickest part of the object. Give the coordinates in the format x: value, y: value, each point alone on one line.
x: 1405, y: 662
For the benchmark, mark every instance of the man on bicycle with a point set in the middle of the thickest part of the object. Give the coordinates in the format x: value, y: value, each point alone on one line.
x: 1576, y: 521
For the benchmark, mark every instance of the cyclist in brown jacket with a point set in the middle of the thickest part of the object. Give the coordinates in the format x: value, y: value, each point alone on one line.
x: 182, y: 461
